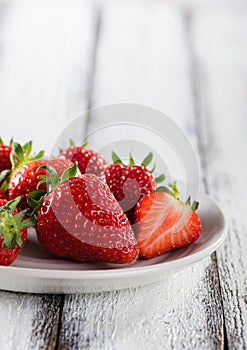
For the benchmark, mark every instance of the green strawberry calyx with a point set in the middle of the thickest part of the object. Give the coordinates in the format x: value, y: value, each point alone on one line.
x: 145, y: 163
x: 52, y: 180
x: 172, y: 190
x: 19, y: 156
x: 11, y: 224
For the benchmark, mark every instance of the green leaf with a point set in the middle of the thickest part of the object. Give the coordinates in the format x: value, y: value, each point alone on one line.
x: 85, y: 143
x: 175, y: 190
x: 164, y: 189
x: 11, y: 205
x: 18, y: 152
x: 71, y: 142
x: 30, y: 222
x: 5, y: 186
x: 71, y: 172
x: 28, y: 148
x: 188, y: 202
x: 160, y: 178
x: 195, y: 205
x: 115, y: 158
x: 4, y: 174
x: 131, y: 161
x: 35, y: 199
x: 1, y: 141
x: 38, y: 156
x: 153, y: 168
x: 147, y: 160
x: 53, y: 179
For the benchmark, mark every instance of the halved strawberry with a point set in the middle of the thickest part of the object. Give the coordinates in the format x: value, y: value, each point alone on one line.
x: 80, y: 219
x: 89, y: 161
x: 165, y: 223
x: 13, y: 230
x: 130, y: 183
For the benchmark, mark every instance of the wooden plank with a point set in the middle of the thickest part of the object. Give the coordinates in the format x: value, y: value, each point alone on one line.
x: 221, y: 55
x: 45, y: 65
x: 143, y: 58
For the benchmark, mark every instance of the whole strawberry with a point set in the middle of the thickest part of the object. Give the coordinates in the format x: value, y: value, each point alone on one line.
x: 26, y: 178
x: 5, y: 151
x: 13, y: 230
x: 130, y: 183
x: 80, y: 219
x: 18, y: 157
x: 165, y: 223
x: 2, y: 194
x: 89, y: 161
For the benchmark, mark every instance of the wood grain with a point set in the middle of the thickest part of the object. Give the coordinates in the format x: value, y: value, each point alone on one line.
x: 222, y: 67
x: 45, y: 67
x: 150, y: 65
x: 45, y: 71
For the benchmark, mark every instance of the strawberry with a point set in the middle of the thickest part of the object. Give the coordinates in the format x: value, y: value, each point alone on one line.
x: 165, y: 223
x: 5, y: 151
x: 80, y: 219
x: 2, y: 194
x: 130, y: 183
x: 18, y: 156
x: 89, y: 161
x: 27, y: 178
x: 13, y: 230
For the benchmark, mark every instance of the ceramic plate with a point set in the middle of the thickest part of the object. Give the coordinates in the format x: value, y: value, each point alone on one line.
x: 37, y: 271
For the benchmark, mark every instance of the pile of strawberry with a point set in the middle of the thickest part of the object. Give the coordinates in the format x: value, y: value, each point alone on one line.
x: 86, y: 210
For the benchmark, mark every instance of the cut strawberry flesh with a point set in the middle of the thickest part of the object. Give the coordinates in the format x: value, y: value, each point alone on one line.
x: 163, y: 224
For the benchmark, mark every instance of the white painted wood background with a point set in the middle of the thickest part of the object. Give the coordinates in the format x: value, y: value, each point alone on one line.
x: 186, y: 58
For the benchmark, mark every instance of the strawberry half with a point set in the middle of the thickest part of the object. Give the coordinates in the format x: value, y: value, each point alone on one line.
x: 27, y: 178
x: 89, y: 161
x: 80, y: 219
x: 13, y: 230
x: 130, y: 183
x: 165, y: 223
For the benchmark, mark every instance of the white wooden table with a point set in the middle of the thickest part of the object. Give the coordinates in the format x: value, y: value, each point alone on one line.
x: 186, y: 58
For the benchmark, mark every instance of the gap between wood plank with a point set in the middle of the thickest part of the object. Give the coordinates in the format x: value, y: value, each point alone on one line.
x: 202, y: 131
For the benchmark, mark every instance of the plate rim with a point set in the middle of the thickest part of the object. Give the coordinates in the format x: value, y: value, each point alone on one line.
x: 124, y: 272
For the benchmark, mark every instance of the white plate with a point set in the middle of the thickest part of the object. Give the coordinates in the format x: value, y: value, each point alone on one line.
x: 37, y: 271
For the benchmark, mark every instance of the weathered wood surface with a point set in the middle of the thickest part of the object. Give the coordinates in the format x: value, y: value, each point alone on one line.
x: 56, y: 59
x: 221, y: 60
x: 45, y: 69
x: 184, y: 311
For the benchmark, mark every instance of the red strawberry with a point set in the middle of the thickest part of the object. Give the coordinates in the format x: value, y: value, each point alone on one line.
x: 165, y: 223
x: 89, y: 161
x: 5, y: 162
x: 2, y: 194
x: 13, y: 231
x: 18, y: 156
x: 26, y: 178
x: 130, y: 183
x: 81, y: 220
